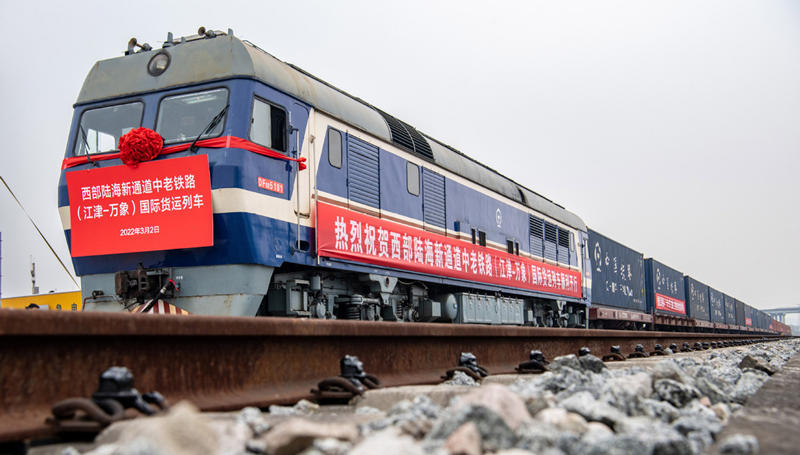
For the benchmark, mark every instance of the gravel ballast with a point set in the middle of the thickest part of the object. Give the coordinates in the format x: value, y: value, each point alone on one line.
x: 673, y: 405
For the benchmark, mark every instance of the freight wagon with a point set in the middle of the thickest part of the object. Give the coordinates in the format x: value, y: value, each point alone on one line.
x: 617, y: 276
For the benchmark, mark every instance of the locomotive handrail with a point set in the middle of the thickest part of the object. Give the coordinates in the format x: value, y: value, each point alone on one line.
x: 217, y: 142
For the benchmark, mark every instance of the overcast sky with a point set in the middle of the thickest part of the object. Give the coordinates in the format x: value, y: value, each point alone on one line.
x: 673, y: 127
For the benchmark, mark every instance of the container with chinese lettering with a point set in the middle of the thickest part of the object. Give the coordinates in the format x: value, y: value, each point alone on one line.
x: 617, y: 274
x: 665, y: 289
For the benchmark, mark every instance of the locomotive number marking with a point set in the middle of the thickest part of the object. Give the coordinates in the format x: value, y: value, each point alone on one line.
x: 270, y: 185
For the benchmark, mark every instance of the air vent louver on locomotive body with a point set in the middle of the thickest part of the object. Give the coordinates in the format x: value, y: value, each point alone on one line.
x: 407, y: 137
x: 420, y: 144
x: 550, y: 241
x: 536, y: 233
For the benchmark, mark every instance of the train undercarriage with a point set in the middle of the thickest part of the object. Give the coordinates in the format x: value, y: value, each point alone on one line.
x: 321, y: 293
x: 333, y: 294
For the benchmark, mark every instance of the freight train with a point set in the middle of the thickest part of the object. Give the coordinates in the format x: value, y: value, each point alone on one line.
x: 272, y: 192
x: 630, y: 291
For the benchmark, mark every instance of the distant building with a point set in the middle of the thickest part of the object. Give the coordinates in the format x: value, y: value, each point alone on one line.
x: 54, y: 301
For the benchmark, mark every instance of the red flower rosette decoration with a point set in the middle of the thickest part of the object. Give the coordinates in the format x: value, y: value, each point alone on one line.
x: 138, y: 145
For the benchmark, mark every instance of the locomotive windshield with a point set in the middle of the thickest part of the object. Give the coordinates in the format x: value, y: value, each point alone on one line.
x: 182, y: 118
x: 100, y: 129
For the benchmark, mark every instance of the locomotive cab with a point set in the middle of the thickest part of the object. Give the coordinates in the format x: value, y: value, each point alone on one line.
x: 228, y: 275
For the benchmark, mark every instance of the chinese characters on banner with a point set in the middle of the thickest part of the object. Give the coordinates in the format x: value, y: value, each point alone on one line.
x: 358, y: 237
x: 157, y: 205
x: 667, y: 303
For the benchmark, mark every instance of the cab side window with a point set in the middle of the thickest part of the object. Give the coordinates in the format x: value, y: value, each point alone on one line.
x: 335, y: 148
x: 268, y: 125
x: 412, y: 178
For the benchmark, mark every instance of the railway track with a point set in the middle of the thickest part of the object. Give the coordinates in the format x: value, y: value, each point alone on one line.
x: 225, y: 363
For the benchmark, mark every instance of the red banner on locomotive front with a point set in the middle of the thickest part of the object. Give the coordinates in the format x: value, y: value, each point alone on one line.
x: 358, y: 237
x: 156, y: 205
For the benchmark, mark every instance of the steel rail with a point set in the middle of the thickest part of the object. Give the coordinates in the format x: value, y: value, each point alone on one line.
x: 225, y: 363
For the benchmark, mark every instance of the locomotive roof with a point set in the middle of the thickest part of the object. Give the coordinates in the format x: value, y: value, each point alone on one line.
x: 199, y: 59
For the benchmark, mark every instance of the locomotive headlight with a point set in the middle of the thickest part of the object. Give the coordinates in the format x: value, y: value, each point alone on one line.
x: 158, y: 63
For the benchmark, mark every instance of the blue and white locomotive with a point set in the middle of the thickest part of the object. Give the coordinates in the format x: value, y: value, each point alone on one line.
x: 383, y: 223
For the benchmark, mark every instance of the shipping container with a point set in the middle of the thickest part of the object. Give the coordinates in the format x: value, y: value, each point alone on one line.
x: 730, y: 309
x: 664, y: 289
x: 716, y: 306
x: 763, y: 320
x: 748, y: 315
x: 617, y: 274
x: 696, y: 299
x: 739, y: 312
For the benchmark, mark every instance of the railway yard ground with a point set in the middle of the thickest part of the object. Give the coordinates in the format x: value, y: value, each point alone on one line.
x: 736, y: 399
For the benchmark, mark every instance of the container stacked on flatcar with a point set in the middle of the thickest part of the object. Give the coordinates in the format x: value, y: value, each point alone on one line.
x: 740, y: 318
x: 666, y: 296
x: 730, y: 310
x: 748, y: 317
x: 697, y: 302
x: 618, y: 298
x: 716, y: 308
x: 779, y: 327
x: 763, y: 321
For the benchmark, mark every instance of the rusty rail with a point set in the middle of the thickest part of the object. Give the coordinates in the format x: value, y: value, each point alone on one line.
x: 224, y: 363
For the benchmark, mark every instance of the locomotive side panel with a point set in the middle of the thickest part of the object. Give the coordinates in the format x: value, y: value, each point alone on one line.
x: 397, y: 199
x: 436, y: 194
